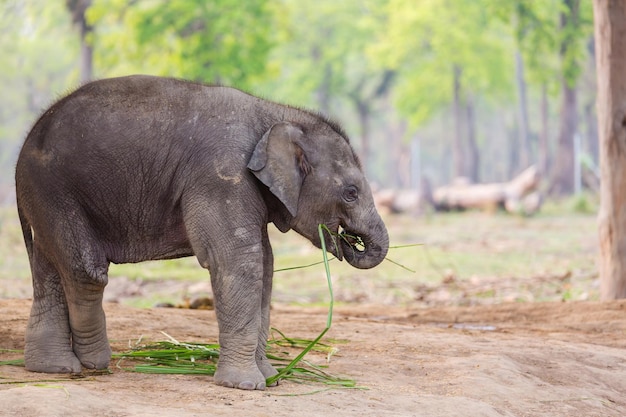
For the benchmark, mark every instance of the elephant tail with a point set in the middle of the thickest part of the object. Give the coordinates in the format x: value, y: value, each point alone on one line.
x: 27, y: 232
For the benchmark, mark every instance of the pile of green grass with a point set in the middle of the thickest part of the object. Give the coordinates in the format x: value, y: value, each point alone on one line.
x: 183, y: 358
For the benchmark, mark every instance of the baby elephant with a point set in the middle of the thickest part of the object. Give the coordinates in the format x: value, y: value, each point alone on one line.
x: 140, y: 168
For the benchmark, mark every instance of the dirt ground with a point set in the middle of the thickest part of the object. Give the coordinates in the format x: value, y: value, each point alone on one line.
x: 539, y: 359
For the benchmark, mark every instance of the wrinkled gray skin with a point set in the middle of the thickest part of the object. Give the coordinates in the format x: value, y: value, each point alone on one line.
x: 139, y: 168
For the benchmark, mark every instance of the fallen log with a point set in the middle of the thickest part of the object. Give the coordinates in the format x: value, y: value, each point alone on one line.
x: 397, y: 201
x: 410, y: 201
x: 518, y: 195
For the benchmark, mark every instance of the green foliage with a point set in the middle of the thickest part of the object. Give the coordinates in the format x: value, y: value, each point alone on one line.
x: 551, y: 35
x: 583, y: 203
x: 534, y: 28
x: 426, y: 41
x: 576, y: 28
x: 217, y: 41
x: 321, y: 53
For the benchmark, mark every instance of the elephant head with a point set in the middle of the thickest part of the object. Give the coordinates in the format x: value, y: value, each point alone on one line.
x: 316, y: 175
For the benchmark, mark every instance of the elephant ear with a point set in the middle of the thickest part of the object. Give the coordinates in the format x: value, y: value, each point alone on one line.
x: 279, y: 162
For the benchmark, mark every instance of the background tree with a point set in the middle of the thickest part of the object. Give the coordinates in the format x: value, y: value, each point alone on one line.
x: 78, y: 9
x: 447, y: 55
x: 610, y: 32
x: 575, y: 18
x: 328, y: 71
x: 533, y: 30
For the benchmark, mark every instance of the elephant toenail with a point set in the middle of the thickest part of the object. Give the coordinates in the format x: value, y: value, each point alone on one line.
x: 247, y: 385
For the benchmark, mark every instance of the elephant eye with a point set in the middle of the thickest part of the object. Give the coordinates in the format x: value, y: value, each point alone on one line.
x: 350, y: 194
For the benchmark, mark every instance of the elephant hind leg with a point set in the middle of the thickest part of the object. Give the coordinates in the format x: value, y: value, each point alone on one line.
x: 48, y: 337
x: 83, y: 268
x: 84, y: 285
x: 88, y: 325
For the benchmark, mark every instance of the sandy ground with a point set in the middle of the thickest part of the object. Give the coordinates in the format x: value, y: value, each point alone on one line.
x: 542, y: 359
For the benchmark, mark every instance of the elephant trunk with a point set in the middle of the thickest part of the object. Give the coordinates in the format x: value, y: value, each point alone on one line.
x: 366, y: 246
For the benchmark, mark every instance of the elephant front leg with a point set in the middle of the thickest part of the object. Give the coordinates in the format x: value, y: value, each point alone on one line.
x: 230, y: 242
x: 238, y: 297
x: 268, y: 271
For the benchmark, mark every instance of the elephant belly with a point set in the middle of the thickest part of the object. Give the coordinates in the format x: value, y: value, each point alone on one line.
x: 148, y: 249
x: 130, y: 242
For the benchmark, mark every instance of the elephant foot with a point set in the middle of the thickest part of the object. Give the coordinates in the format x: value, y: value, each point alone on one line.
x: 95, y: 360
x: 40, y: 357
x: 47, y: 349
x: 96, y: 355
x: 235, y: 377
x: 267, y: 369
x: 56, y: 365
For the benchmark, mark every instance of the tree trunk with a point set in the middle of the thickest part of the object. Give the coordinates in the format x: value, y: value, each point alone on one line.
x: 563, y: 173
x: 78, y: 8
x: 323, y: 91
x: 86, y: 53
x: 610, y: 32
x: 363, y: 111
x: 457, y: 146
x: 524, y: 132
x: 473, y: 154
x: 591, y: 119
x: 363, y: 104
x: 401, y: 154
x: 513, y: 147
x: 544, y: 135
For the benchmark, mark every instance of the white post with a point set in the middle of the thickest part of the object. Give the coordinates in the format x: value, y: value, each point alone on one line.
x: 577, y: 168
x: 416, y: 167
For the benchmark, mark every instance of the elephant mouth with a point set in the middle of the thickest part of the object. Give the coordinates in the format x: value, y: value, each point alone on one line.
x: 362, y: 250
x: 351, y: 245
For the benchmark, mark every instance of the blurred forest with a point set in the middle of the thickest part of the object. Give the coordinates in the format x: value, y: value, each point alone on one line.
x: 431, y: 89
